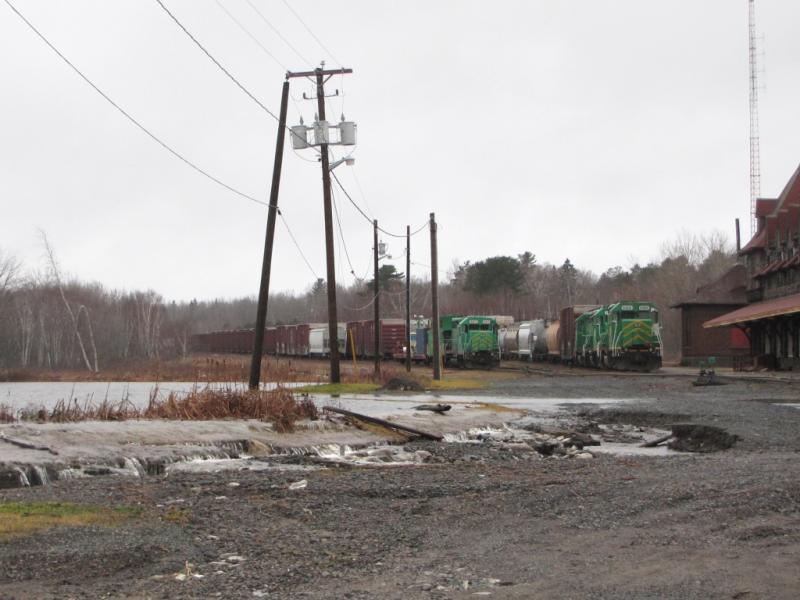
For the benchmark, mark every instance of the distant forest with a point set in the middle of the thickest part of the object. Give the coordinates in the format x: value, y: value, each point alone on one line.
x: 48, y: 320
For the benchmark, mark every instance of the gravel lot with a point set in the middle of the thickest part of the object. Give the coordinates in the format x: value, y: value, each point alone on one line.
x: 477, y: 520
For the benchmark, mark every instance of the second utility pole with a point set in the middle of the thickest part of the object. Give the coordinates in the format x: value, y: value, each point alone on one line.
x: 377, y: 302
x: 321, y: 76
x: 408, y: 298
x: 435, y: 327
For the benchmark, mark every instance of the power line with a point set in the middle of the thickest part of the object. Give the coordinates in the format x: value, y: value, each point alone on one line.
x: 308, y: 29
x: 216, y: 62
x: 251, y: 36
x: 128, y: 116
x: 257, y: 101
x: 299, y: 249
x: 361, y: 190
x: 341, y: 234
x: 363, y: 214
x: 151, y: 135
x: 279, y: 34
x: 358, y: 208
x: 263, y: 48
x: 422, y: 227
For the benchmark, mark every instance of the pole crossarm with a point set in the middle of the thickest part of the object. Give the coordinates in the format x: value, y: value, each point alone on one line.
x: 314, y: 73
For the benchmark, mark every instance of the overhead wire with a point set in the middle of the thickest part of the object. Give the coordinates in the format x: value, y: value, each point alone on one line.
x: 130, y: 117
x: 361, y: 190
x: 217, y: 63
x: 256, y: 100
x: 279, y: 34
x: 149, y: 133
x: 251, y: 36
x: 341, y: 234
x: 363, y: 214
x: 299, y: 249
x: 313, y: 35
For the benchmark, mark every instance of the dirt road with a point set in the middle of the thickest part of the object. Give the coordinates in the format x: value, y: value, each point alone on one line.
x: 476, y: 520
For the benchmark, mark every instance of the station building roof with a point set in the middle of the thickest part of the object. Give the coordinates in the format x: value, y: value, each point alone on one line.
x: 755, y: 312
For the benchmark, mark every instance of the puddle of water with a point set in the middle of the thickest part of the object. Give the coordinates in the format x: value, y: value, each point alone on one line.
x: 385, y: 405
x: 553, y: 405
x: 619, y: 449
x: 45, y: 394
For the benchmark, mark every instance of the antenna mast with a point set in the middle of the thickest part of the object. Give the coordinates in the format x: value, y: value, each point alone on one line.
x: 755, y: 160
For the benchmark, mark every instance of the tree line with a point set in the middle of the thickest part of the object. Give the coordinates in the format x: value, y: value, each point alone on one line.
x: 51, y: 321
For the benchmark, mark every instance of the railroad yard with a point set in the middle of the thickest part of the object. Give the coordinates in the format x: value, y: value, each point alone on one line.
x: 531, y: 510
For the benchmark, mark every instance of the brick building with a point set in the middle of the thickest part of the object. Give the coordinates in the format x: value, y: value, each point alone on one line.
x: 771, y: 318
x: 710, y: 301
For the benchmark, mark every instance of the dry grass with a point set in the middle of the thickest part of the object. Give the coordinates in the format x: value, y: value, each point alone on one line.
x: 195, y: 368
x: 278, y: 406
x: 22, y: 518
x: 6, y: 414
x: 179, y: 516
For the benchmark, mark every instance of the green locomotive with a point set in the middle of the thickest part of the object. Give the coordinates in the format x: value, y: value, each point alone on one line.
x: 625, y: 336
x: 467, y: 341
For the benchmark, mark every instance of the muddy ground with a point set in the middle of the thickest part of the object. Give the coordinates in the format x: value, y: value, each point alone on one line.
x: 477, y: 520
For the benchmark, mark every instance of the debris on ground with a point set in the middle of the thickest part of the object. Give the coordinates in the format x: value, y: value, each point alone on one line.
x: 437, y: 408
x: 707, y: 377
x: 402, y: 384
x: 700, y: 438
x: 384, y: 423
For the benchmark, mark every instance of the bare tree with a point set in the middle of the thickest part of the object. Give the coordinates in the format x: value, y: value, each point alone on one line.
x: 74, y: 316
x: 9, y: 275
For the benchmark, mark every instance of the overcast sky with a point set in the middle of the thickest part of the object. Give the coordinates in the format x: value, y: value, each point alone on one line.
x: 590, y: 129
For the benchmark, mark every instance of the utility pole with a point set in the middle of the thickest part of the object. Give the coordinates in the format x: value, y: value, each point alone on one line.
x: 376, y: 303
x: 437, y: 359
x: 266, y: 266
x: 755, y: 152
x: 408, y: 298
x: 321, y: 75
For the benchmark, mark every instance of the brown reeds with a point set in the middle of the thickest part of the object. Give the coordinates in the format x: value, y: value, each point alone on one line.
x: 278, y: 406
x: 6, y: 414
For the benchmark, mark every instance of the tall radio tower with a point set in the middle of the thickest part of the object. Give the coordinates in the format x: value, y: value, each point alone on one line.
x: 755, y: 160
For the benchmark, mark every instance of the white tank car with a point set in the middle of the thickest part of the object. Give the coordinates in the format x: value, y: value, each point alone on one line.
x: 509, y: 347
x: 538, y: 338
x: 525, y: 340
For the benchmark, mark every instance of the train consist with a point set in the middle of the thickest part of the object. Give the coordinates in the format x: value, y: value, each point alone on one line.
x: 624, y: 335
x: 310, y: 340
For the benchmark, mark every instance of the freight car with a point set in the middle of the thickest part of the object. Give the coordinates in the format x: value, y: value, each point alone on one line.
x: 523, y: 341
x: 319, y: 341
x: 361, y: 338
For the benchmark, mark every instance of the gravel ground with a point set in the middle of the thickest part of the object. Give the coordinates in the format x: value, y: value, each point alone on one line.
x: 478, y: 520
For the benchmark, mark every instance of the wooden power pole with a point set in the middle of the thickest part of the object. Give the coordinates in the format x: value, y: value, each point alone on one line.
x: 408, y: 298
x: 266, y: 266
x: 321, y: 76
x: 437, y: 359
x: 377, y: 301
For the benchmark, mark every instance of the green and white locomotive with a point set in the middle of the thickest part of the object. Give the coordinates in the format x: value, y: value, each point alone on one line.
x: 467, y: 341
x: 625, y: 336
